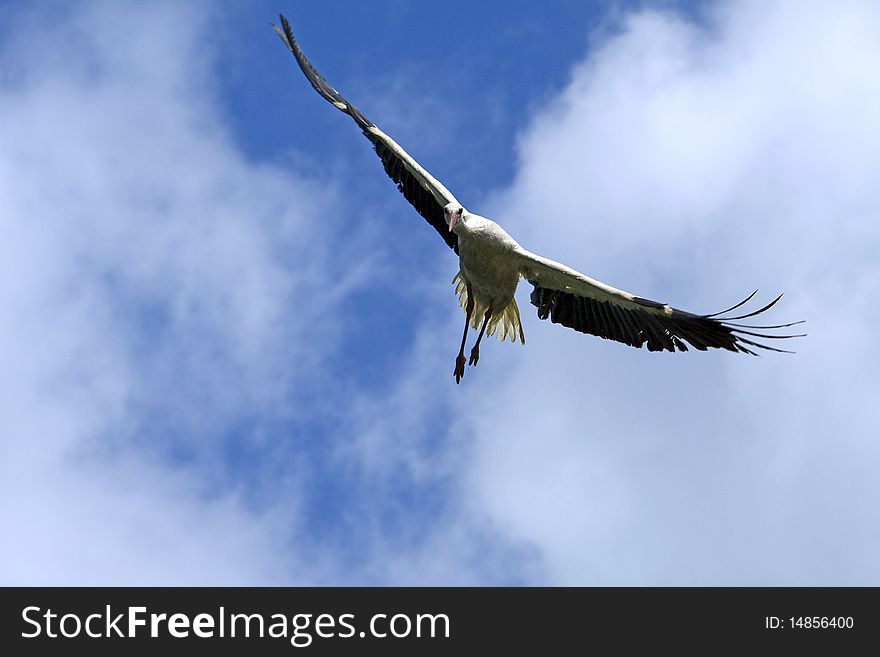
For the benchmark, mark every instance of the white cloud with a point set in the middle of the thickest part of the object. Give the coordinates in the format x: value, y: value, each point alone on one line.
x: 151, y: 286
x: 172, y: 331
x: 692, y: 164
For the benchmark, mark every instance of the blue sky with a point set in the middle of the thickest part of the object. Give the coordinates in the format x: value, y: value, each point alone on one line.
x: 227, y: 341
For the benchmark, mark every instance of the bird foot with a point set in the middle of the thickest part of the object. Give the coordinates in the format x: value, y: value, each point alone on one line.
x: 475, y: 356
x: 459, y: 368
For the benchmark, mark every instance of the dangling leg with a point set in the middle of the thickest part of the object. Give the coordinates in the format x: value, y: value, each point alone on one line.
x: 475, y: 352
x: 459, y: 362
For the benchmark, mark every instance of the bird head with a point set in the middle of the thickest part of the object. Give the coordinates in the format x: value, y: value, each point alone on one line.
x: 453, y: 213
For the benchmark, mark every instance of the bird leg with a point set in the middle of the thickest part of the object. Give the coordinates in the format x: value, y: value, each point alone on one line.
x: 475, y: 352
x: 460, y: 360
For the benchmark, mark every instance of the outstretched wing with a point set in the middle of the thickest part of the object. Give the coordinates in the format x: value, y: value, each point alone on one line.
x: 426, y: 194
x: 572, y: 299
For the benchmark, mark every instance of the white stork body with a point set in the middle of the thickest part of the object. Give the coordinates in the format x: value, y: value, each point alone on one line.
x: 488, y: 267
x: 491, y: 264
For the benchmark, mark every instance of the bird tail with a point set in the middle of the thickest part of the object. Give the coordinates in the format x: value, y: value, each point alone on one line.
x: 506, y: 325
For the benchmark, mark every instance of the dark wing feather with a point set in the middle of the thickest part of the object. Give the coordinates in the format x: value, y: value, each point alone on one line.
x: 572, y: 299
x: 422, y: 190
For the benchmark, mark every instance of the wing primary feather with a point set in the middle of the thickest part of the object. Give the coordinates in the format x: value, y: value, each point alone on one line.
x: 590, y: 316
x: 769, y: 337
x: 692, y: 334
x: 763, y: 346
x: 752, y: 314
x: 624, y: 331
x: 579, y: 316
x: 606, y: 319
x: 655, y: 342
x: 632, y: 336
x: 741, y: 303
x: 562, y: 310
x: 774, y: 326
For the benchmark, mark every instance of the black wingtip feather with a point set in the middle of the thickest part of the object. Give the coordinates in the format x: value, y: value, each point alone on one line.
x: 641, y: 325
x: 316, y: 79
x: 752, y: 314
x: 741, y: 303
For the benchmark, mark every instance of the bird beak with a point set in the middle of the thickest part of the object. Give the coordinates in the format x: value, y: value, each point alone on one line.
x: 453, y: 219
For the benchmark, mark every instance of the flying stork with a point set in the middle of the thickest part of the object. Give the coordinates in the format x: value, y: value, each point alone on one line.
x: 491, y: 264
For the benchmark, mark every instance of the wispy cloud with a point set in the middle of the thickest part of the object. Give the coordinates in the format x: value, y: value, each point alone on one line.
x: 694, y: 164
x: 153, y: 319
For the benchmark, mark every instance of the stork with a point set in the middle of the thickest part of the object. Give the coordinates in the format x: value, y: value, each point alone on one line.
x: 492, y: 263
